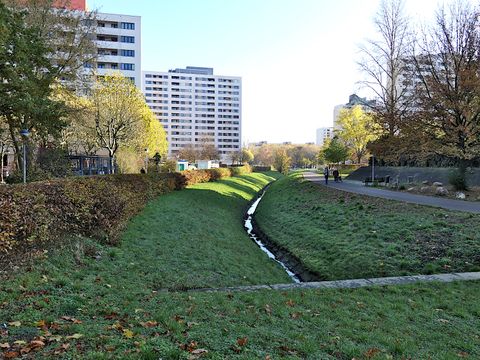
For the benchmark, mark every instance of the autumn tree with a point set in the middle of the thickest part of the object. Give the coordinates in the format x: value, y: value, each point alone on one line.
x: 282, y: 161
x: 189, y: 153
x: 357, y: 129
x: 208, y: 151
x: 122, y: 118
x: 247, y: 155
x: 447, y: 90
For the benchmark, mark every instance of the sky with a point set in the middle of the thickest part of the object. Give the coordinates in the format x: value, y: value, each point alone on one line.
x: 297, y: 58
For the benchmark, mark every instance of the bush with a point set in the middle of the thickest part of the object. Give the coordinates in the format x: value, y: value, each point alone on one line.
x: 241, y: 170
x: 219, y: 173
x: 458, y: 179
x: 262, y: 168
x: 97, y: 207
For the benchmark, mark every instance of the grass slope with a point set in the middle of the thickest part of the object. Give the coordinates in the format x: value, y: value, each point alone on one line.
x: 72, y: 306
x: 342, y: 235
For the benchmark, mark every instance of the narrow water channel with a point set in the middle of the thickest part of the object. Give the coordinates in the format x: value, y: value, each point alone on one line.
x: 255, y: 238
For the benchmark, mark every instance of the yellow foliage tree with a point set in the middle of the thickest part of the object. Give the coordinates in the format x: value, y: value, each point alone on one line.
x: 357, y: 129
x: 123, y: 120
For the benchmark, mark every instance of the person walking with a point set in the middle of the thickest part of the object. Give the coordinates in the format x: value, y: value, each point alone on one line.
x: 335, y: 174
x: 326, y: 172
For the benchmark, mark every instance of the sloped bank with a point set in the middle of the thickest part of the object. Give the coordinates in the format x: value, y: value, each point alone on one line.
x: 292, y: 265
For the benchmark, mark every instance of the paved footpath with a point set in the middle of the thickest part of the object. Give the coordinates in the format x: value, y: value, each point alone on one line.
x: 358, y: 188
x: 354, y: 283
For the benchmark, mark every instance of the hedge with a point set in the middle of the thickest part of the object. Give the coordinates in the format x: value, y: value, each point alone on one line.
x: 97, y: 207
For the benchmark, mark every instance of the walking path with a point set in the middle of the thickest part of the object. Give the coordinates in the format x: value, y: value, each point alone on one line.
x: 358, y: 188
x: 355, y: 283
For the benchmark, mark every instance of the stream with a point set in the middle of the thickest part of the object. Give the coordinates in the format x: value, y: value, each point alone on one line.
x: 249, y: 227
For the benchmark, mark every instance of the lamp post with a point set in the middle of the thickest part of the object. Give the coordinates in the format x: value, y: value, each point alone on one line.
x: 373, y: 168
x: 146, y: 160
x: 25, y: 134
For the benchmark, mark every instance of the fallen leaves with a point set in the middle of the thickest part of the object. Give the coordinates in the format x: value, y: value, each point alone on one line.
x: 370, y: 353
x: 242, y: 341
x: 74, y: 336
x: 15, y: 324
x: 128, y: 333
x: 71, y: 319
x: 149, y: 324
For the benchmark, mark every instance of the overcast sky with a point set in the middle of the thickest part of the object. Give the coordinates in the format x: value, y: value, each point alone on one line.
x: 297, y: 58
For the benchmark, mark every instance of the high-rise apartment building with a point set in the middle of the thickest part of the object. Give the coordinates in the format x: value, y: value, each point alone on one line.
x: 196, y: 107
x: 118, y: 40
x: 323, y: 134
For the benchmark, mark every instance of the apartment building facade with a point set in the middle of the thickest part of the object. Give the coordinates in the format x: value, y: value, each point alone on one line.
x: 323, y: 134
x: 118, y: 40
x: 195, y: 107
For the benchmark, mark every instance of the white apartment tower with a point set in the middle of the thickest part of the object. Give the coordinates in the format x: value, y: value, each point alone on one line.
x: 118, y: 40
x: 196, y: 107
x: 323, y: 134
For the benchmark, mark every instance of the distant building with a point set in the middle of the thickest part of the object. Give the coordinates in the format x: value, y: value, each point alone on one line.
x: 353, y: 100
x: 196, y: 107
x: 323, y: 134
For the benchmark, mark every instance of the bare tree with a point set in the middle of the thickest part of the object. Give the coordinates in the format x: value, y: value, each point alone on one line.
x: 383, y: 62
x: 448, y: 83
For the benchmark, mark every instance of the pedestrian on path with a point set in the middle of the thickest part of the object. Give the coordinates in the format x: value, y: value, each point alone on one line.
x: 326, y: 172
x: 335, y: 174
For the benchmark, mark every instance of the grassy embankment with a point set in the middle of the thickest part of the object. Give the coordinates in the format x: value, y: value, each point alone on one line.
x: 97, y: 302
x: 341, y: 235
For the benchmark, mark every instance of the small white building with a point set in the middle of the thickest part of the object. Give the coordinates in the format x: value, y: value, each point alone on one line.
x: 207, y: 164
x: 182, y: 165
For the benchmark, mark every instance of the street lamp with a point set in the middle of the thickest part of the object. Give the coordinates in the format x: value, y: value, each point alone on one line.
x: 146, y: 160
x: 25, y: 134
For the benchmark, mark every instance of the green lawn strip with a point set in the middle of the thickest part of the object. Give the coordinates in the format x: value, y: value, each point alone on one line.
x: 434, y: 320
x: 342, y: 235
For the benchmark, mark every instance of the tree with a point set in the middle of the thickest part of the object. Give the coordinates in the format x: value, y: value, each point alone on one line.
x: 357, y: 129
x: 383, y: 63
x: 282, y: 161
x: 27, y: 79
x: 189, y: 153
x: 5, y: 144
x: 209, y: 152
x: 69, y: 36
x: 447, y: 91
x: 335, y: 151
x: 247, y: 156
x: 122, y: 118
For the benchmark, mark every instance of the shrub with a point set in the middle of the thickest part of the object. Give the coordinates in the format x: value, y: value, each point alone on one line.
x: 458, y: 179
x: 90, y: 206
x: 219, y: 173
x: 97, y: 207
x: 261, y: 168
x: 241, y: 170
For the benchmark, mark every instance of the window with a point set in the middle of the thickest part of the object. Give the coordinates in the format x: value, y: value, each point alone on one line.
x: 101, y: 66
x: 114, y: 25
x: 130, y: 53
x: 127, y: 39
x: 127, y: 66
x: 128, y: 26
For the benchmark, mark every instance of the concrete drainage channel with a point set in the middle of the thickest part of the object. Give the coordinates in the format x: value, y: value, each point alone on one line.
x: 293, y: 266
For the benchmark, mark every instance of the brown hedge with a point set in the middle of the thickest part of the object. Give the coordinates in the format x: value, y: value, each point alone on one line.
x: 97, y: 207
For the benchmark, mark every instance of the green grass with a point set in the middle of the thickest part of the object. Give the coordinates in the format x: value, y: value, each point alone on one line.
x: 89, y: 301
x: 341, y: 235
